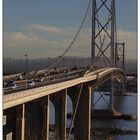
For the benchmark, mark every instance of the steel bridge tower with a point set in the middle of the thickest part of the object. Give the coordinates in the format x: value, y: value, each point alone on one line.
x: 120, y: 63
x: 104, y: 38
x: 103, y: 32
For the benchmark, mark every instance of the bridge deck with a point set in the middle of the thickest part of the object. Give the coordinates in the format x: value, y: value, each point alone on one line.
x: 21, y: 97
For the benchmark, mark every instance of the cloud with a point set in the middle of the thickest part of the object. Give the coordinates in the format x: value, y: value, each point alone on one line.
x: 17, y: 39
x: 34, y: 40
x: 45, y: 28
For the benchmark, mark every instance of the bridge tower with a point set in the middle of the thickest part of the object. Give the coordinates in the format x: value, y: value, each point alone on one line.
x: 103, y: 32
x: 104, y: 37
x: 120, y: 61
x: 120, y: 55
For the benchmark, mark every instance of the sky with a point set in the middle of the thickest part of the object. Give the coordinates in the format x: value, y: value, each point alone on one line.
x: 45, y: 28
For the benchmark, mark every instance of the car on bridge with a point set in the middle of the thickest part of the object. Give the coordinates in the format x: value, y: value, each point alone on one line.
x: 30, y: 83
x: 39, y: 79
x: 11, y: 84
x: 19, y: 77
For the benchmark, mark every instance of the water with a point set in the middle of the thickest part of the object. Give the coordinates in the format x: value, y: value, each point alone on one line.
x: 123, y: 104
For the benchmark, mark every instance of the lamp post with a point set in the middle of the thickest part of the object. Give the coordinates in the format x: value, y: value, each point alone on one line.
x: 9, y: 65
x: 49, y: 62
x: 20, y: 65
x: 40, y: 64
x: 26, y: 57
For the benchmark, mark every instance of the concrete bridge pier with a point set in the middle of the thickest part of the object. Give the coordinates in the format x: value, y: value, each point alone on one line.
x: 14, y: 127
x: 18, y: 113
x: 82, y: 122
x: 46, y: 116
x: 23, y: 123
x: 60, y: 102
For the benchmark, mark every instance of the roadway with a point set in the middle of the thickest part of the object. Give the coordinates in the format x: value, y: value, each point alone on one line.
x: 20, y: 97
x: 47, y: 80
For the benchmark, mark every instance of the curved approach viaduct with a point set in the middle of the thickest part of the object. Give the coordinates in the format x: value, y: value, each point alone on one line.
x: 30, y: 108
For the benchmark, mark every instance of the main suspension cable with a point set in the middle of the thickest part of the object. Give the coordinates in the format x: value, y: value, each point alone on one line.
x: 101, y: 43
x: 72, y: 42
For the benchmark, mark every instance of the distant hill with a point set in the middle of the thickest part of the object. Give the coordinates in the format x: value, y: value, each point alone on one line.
x: 131, y: 66
x: 11, y: 66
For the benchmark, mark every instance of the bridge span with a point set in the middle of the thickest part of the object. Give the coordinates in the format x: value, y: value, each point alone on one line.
x: 35, y: 102
x: 21, y: 97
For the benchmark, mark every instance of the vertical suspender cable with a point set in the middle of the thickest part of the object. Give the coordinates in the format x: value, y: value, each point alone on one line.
x: 76, y: 107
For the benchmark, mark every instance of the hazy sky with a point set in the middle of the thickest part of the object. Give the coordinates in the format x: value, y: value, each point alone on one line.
x: 44, y: 28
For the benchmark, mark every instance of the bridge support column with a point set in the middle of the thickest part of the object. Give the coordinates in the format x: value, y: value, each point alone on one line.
x: 23, y: 123
x: 82, y: 123
x: 18, y: 122
x: 111, y: 105
x: 60, y: 103
x: 64, y: 116
x: 45, y: 104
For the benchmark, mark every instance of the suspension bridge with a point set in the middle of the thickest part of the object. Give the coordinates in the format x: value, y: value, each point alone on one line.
x: 26, y: 108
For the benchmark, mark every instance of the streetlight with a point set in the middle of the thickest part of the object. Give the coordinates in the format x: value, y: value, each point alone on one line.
x: 40, y: 64
x: 9, y: 66
x: 26, y: 56
x: 49, y: 68
x: 20, y: 65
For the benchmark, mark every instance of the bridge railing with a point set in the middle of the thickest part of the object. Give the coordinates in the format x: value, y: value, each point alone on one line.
x: 51, y: 80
